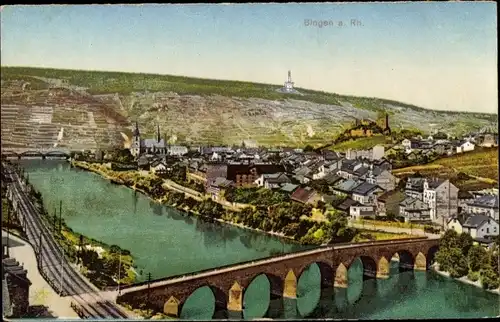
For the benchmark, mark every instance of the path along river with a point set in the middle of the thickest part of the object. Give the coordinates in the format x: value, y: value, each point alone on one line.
x: 166, y: 242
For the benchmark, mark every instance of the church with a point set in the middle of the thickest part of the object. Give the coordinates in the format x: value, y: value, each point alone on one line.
x: 140, y: 146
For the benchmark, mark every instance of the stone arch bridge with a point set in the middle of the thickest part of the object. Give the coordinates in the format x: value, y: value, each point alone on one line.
x: 228, y: 283
x: 58, y: 153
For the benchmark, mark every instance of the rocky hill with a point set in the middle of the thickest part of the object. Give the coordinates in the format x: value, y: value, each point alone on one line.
x: 95, y: 107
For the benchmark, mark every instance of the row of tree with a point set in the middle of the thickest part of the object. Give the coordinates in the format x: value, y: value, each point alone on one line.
x: 459, y: 256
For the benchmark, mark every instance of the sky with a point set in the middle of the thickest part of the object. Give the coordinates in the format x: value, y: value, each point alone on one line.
x: 438, y: 55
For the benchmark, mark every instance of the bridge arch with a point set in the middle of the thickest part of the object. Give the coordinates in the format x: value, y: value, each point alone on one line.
x: 254, y: 294
x: 204, y: 294
x: 326, y: 273
x: 369, y: 266
x: 405, y: 259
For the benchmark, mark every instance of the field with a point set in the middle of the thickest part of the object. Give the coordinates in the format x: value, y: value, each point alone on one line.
x: 205, y: 111
x: 470, y: 171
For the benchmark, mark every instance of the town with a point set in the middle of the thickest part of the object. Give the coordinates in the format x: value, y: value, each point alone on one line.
x: 359, y: 183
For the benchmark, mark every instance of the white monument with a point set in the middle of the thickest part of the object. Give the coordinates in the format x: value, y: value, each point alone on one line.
x: 288, y: 87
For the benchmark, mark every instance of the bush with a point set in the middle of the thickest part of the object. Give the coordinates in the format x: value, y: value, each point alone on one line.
x: 473, y: 276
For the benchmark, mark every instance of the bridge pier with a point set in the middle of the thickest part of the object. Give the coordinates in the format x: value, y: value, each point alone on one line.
x: 341, y: 276
x: 290, y: 286
x: 383, y: 268
x: 420, y: 262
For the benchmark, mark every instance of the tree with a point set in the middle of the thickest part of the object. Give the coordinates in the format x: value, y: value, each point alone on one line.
x: 477, y: 258
x: 458, y: 263
x: 489, y: 279
x: 465, y: 243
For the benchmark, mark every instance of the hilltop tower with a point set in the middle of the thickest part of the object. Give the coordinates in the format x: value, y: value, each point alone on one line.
x: 289, y: 84
x: 158, y: 135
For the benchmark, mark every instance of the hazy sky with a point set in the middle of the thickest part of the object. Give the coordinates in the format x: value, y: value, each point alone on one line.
x: 435, y: 55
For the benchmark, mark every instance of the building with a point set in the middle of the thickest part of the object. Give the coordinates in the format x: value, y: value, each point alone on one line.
x: 147, y: 146
x: 366, y: 193
x: 375, y: 153
x: 305, y: 195
x: 360, y: 211
x: 415, y: 188
x: 158, y: 167
x: 414, y: 210
x: 244, y: 175
x: 442, y: 198
x: 388, y: 203
x: 272, y: 181
x: 177, y: 150
x: 217, y: 187
x: 486, y: 204
x: 455, y: 224
x: 465, y: 146
x: 480, y: 226
x: 16, y: 282
x: 288, y: 85
x: 382, y: 178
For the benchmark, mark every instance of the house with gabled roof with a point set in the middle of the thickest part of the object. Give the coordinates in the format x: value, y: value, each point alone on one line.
x: 305, y: 195
x: 273, y: 180
x: 414, y: 210
x: 388, y: 202
x: 217, y: 186
x: 480, y: 226
x: 366, y: 193
x: 487, y: 204
x: 346, y: 205
x: 345, y: 187
x: 442, y: 198
x: 455, y: 224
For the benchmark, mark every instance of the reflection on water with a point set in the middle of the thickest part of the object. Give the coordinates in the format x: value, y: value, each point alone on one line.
x: 166, y: 242
x: 407, y: 295
x: 163, y: 241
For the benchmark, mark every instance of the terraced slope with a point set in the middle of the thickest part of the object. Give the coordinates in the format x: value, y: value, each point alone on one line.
x: 98, y: 105
x: 35, y: 118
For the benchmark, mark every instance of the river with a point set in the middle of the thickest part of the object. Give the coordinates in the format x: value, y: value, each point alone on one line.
x: 166, y: 242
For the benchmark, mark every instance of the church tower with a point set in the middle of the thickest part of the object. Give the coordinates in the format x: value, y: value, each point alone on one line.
x: 158, y: 135
x: 136, y: 141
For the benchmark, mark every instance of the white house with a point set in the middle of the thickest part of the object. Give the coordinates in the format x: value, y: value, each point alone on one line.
x: 358, y: 211
x: 272, y: 181
x: 455, y: 224
x: 177, y: 150
x: 487, y: 204
x: 465, y: 147
x: 158, y: 167
x: 406, y: 144
x: 442, y: 198
x: 479, y: 226
x: 327, y: 168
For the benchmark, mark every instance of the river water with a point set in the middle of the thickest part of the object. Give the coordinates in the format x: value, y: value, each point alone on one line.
x: 166, y: 242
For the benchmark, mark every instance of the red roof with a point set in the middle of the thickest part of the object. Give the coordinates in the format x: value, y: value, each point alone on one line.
x: 302, y: 194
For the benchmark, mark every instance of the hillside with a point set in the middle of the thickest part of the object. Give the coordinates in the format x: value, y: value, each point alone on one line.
x: 471, y: 170
x: 197, y: 111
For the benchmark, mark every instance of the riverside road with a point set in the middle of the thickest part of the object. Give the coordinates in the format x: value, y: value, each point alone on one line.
x: 63, y: 276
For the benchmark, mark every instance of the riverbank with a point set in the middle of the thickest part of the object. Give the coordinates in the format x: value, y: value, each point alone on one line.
x: 306, y: 231
x: 188, y: 211
x: 464, y: 279
x: 104, y: 265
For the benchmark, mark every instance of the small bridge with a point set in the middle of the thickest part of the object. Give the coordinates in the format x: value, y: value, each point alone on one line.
x: 228, y: 283
x: 36, y: 154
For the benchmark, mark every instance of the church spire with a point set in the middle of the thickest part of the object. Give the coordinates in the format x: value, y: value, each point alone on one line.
x: 136, y: 130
